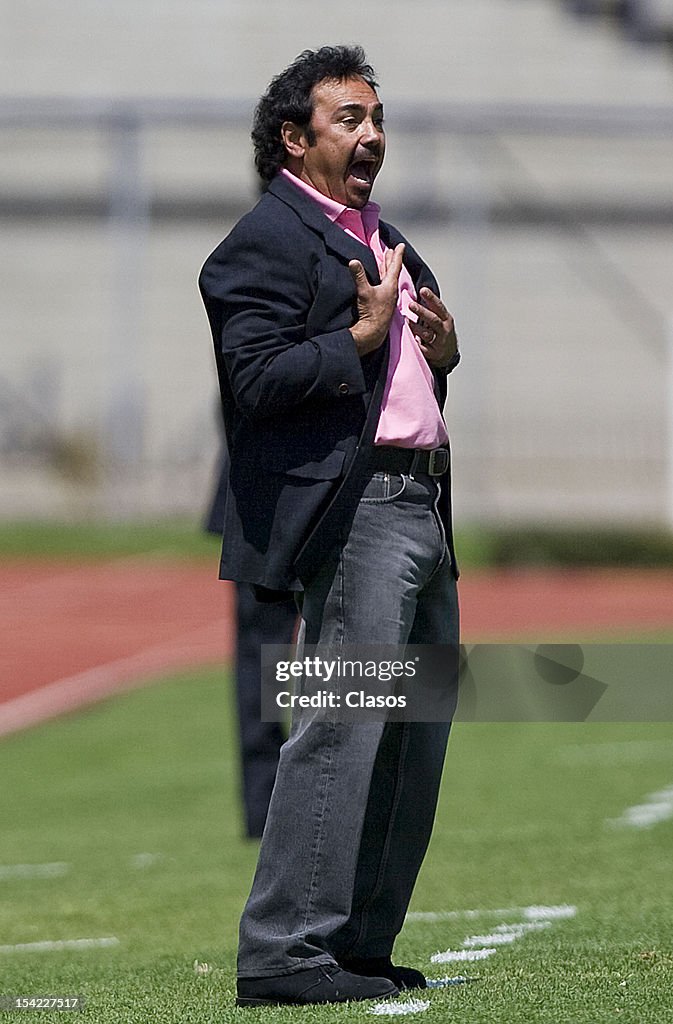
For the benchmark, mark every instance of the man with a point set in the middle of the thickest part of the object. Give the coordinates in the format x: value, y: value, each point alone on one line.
x: 257, y: 623
x: 333, y: 348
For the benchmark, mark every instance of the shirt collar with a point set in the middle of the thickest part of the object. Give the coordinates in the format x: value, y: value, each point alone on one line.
x: 329, y: 207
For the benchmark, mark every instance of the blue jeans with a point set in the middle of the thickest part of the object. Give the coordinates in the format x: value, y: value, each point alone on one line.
x: 353, y: 804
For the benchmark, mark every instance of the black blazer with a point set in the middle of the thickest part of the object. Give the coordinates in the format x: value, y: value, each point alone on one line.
x: 300, y: 407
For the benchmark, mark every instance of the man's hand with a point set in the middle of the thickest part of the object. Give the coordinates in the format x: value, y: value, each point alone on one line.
x: 376, y: 302
x: 434, y: 330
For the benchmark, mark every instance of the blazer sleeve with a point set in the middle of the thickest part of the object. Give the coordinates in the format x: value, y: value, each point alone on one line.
x: 258, y: 293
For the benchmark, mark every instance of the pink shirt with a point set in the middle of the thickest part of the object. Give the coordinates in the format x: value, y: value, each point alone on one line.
x: 410, y: 416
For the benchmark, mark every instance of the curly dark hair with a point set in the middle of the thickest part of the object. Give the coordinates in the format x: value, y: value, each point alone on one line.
x: 288, y: 98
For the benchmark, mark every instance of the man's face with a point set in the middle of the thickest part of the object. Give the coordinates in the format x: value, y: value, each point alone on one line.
x: 344, y: 143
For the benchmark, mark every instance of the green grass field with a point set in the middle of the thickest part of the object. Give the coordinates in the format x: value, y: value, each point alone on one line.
x: 177, y: 538
x: 478, y: 545
x: 137, y: 798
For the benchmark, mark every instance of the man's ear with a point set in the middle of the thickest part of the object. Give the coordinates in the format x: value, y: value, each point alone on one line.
x: 294, y: 139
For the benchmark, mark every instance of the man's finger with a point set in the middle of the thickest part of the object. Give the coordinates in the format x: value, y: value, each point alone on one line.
x: 358, y: 272
x: 422, y: 333
x: 426, y: 317
x: 434, y: 303
x: 394, y: 267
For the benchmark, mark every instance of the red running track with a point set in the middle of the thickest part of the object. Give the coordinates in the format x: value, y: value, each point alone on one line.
x: 73, y: 634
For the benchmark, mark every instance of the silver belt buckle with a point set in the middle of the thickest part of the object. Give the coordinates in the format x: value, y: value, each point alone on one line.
x: 438, y: 462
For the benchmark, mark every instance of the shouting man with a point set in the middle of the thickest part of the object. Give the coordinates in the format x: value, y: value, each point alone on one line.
x: 333, y: 348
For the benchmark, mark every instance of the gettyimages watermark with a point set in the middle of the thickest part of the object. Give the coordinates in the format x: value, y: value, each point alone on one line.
x: 361, y: 682
x: 478, y: 683
x: 32, y: 1002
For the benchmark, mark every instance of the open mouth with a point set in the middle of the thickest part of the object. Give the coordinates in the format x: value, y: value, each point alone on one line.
x: 362, y: 171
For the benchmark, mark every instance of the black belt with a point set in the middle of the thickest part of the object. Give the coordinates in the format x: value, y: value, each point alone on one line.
x: 409, y: 461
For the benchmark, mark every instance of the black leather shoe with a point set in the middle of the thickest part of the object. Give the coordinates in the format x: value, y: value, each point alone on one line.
x: 382, y: 967
x: 323, y: 984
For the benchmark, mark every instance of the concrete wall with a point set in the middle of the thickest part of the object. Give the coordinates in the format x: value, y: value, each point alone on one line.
x: 559, y: 408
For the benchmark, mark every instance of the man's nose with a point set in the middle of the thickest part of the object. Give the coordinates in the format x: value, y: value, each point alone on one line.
x: 372, y: 134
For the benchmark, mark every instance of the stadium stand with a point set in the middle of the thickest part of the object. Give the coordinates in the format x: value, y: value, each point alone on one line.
x: 535, y: 162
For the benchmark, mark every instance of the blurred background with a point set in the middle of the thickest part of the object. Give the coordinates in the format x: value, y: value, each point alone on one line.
x: 530, y: 159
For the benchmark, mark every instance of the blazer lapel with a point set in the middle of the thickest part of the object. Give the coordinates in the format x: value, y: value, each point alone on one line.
x: 391, y: 238
x: 336, y: 238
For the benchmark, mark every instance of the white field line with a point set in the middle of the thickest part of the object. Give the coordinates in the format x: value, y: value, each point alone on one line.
x: 455, y: 915
x: 488, y: 834
x: 459, y: 955
x: 397, y: 1009
x: 54, y: 870
x: 494, y: 939
x: 459, y: 979
x: 532, y: 913
x: 58, y: 944
x: 616, y: 753
x: 559, y: 913
x: 656, y: 808
x: 521, y: 927
x: 57, y: 869
x: 479, y: 947
x: 93, y: 684
x: 504, y: 934
x: 140, y: 861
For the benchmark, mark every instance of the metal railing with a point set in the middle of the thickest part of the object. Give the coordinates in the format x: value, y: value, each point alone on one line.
x: 129, y: 206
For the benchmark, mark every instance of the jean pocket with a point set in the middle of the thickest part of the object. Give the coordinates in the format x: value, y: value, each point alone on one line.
x: 383, y: 488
